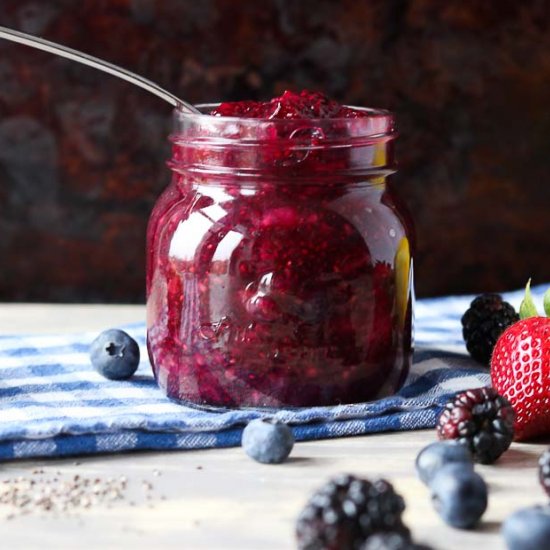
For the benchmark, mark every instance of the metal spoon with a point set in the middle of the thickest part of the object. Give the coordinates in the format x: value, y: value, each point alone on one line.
x: 105, y: 66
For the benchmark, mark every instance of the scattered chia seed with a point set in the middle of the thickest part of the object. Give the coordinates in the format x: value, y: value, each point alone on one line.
x: 49, y: 493
x: 147, y: 485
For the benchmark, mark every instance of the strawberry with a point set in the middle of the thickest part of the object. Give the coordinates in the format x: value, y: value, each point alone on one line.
x: 520, y: 370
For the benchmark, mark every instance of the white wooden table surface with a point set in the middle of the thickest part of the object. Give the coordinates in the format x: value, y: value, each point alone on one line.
x: 220, y: 499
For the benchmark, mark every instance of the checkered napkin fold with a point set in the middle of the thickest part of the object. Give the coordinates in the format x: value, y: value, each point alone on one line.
x: 52, y: 402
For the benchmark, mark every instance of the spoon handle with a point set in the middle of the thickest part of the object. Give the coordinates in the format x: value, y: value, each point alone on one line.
x: 105, y: 66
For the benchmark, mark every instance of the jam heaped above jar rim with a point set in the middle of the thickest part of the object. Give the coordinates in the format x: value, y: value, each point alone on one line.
x: 304, y: 105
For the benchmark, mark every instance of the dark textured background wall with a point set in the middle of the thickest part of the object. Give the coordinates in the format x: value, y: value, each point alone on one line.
x: 82, y: 154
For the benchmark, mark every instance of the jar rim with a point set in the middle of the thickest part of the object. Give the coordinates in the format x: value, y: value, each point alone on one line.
x: 379, y: 122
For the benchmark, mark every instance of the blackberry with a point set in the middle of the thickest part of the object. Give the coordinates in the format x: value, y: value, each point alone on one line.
x: 482, y: 324
x: 343, y: 513
x: 480, y: 419
x: 544, y: 471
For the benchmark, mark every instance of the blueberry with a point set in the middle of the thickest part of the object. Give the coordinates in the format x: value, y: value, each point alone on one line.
x: 436, y: 455
x: 267, y: 440
x: 459, y: 495
x: 115, y: 354
x: 528, y: 529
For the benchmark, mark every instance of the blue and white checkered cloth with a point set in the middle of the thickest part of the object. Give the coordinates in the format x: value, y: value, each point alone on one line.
x: 52, y: 402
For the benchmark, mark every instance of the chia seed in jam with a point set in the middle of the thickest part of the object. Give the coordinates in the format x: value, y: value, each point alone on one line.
x: 279, y: 260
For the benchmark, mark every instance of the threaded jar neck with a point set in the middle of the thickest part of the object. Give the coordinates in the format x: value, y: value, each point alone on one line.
x: 304, y: 148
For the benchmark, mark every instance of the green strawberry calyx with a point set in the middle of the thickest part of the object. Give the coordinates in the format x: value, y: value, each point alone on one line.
x: 528, y: 308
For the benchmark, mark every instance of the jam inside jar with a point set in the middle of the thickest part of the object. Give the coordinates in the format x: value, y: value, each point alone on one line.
x: 279, y: 263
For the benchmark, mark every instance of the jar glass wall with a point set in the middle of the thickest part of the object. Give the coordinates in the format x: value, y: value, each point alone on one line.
x: 279, y: 264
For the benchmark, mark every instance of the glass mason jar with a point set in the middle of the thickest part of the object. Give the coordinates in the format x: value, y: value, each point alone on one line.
x: 279, y: 264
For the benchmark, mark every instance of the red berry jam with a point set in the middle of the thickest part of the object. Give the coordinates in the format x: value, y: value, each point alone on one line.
x: 279, y: 260
x: 290, y: 106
